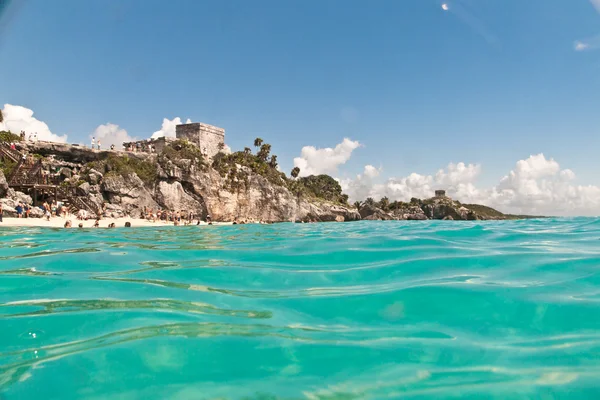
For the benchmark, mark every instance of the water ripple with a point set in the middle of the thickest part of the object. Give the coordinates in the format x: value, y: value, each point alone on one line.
x: 315, y: 311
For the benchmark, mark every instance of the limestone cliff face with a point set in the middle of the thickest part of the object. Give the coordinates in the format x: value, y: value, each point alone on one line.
x: 261, y: 201
x: 185, y: 187
x: 192, y: 186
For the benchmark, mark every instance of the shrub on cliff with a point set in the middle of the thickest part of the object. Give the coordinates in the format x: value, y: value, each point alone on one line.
x: 7, y: 166
x: 9, y: 137
x: 323, y: 187
x: 123, y: 165
x: 227, y: 166
x: 182, y: 150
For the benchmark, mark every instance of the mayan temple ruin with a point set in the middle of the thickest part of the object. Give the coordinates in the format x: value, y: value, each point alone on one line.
x: 210, y: 139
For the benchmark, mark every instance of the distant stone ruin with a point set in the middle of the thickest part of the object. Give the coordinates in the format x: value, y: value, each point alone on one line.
x: 210, y: 139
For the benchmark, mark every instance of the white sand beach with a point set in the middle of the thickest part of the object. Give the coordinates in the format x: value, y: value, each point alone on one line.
x: 59, y: 222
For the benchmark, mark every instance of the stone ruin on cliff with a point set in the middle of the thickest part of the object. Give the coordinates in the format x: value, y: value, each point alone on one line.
x: 209, y: 139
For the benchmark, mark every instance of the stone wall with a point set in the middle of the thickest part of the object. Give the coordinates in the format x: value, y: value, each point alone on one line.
x: 158, y: 143
x: 205, y: 136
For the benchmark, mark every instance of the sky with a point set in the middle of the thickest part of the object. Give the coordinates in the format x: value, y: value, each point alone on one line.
x: 494, y: 100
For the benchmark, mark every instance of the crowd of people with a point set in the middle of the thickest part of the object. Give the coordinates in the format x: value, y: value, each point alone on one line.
x: 140, y: 147
x: 69, y: 224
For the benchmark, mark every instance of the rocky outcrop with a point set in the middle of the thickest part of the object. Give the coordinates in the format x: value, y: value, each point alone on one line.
x: 372, y: 213
x: 72, y: 153
x: 128, y: 192
x: 192, y: 186
x: 3, y: 185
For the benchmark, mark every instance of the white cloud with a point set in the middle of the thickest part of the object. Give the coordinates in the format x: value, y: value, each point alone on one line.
x: 313, y: 161
x: 457, y: 174
x: 111, y: 134
x: 371, y: 171
x: 18, y: 118
x: 361, y: 187
x: 590, y: 43
x: 536, y: 185
x: 580, y: 46
x: 168, y: 127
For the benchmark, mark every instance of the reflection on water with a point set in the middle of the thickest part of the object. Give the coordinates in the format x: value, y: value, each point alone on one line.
x: 422, y: 310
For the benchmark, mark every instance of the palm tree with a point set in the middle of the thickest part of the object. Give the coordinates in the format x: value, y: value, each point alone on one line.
x: 384, y: 203
x: 369, y: 201
x: 273, y: 161
x: 263, y: 153
x: 258, y: 142
x: 358, y: 205
x: 247, y: 150
x: 295, y: 172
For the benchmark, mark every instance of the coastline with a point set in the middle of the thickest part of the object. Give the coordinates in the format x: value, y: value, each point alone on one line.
x: 58, y: 222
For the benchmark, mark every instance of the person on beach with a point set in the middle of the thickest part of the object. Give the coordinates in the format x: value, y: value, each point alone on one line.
x: 93, y: 142
x: 19, y: 209
x: 127, y: 224
x: 80, y: 225
x: 97, y: 223
x: 1, y: 212
x: 111, y: 225
x: 208, y: 220
x: 98, y: 144
x: 68, y: 224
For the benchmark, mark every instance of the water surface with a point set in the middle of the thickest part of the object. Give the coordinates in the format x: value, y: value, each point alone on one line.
x: 366, y: 310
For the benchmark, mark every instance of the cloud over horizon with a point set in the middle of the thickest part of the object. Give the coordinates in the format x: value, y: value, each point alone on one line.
x: 536, y: 185
x: 111, y: 134
x: 168, y: 127
x: 313, y: 161
x: 19, y: 118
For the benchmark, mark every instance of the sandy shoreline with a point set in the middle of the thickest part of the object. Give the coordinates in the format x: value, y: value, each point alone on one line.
x: 60, y: 222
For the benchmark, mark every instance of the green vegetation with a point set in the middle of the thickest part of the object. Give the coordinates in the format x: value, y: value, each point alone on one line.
x: 235, y: 168
x: 295, y: 172
x: 237, y: 178
x: 7, y: 166
x: 124, y: 165
x: 485, y: 211
x: 182, y: 150
x: 9, y: 137
x: 1, y: 116
x: 322, y: 187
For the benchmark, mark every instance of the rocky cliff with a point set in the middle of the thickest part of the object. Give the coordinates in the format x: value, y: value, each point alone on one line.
x: 126, y: 183
x: 239, y: 186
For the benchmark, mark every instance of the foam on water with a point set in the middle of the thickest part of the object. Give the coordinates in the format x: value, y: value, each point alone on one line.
x: 420, y: 310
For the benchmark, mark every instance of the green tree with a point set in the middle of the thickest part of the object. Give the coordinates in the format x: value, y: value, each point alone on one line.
x: 258, y: 142
x: 369, y: 201
x: 358, y: 205
x: 263, y: 153
x: 247, y: 150
x: 323, y: 187
x: 384, y: 203
x: 295, y: 172
x: 1, y: 116
x: 273, y: 161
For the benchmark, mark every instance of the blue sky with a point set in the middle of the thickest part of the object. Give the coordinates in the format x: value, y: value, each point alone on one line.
x: 486, y: 82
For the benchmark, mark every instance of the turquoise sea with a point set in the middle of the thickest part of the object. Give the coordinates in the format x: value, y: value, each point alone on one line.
x: 365, y: 310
